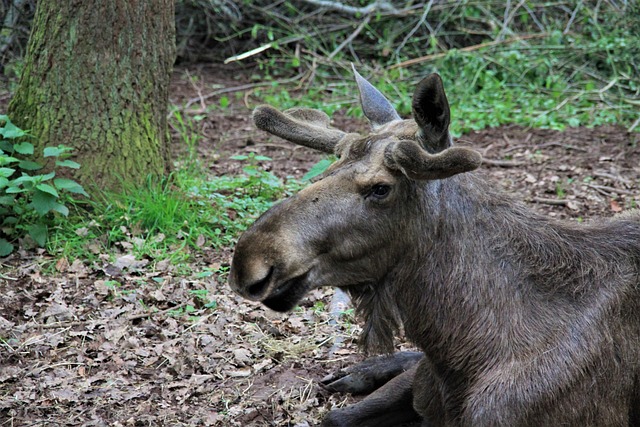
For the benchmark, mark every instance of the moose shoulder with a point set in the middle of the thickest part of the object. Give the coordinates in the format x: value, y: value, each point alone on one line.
x: 523, y: 321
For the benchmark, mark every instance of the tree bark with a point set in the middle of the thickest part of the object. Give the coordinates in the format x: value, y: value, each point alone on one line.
x: 96, y: 78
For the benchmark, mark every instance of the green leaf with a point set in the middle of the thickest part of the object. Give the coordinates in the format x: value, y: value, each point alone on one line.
x: 60, y: 208
x: 317, y: 169
x: 52, y: 151
x: 224, y: 102
x: 7, y: 200
x: 262, y: 158
x: 68, y: 164
x: 69, y: 185
x: 6, y: 172
x: 5, y: 248
x: 43, y: 202
x: 39, y: 233
x: 29, y: 165
x: 5, y: 160
x: 11, y: 220
x: 10, y: 131
x: 203, y: 274
x: 24, y: 178
x: 251, y: 170
x: 239, y: 157
x: 23, y: 148
x: 46, y: 177
x: 15, y: 190
x: 3, y: 182
x: 48, y: 189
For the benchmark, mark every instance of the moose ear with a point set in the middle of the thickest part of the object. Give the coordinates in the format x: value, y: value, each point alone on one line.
x: 416, y: 163
x: 375, y: 106
x: 302, y: 126
x: 431, y: 113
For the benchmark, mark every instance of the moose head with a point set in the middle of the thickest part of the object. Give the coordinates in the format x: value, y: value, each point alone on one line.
x: 352, y: 227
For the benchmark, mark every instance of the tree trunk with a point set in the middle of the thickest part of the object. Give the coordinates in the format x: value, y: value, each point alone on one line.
x: 96, y: 78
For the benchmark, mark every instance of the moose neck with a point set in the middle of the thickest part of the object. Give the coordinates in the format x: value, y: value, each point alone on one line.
x: 481, y: 255
x: 436, y: 261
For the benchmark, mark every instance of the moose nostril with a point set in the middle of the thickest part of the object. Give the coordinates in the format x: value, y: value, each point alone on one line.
x: 257, y: 289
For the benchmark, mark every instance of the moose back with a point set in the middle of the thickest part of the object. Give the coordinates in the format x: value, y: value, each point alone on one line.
x: 523, y: 320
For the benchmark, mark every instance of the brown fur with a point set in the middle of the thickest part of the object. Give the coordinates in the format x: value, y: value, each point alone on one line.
x: 524, y: 321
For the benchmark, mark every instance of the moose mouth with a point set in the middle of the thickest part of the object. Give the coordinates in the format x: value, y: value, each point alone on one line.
x: 288, y: 294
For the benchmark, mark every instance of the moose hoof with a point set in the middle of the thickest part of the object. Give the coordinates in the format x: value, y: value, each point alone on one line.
x: 370, y: 374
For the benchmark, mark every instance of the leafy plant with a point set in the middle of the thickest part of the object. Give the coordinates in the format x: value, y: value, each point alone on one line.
x: 202, y: 295
x: 241, y: 198
x: 318, y: 169
x: 29, y: 201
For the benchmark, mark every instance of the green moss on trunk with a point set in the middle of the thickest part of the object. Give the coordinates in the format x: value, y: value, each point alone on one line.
x: 96, y: 78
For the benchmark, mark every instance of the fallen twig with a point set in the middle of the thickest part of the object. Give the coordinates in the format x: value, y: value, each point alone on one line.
x: 555, y: 202
x: 468, y: 49
x: 612, y: 177
x: 502, y: 163
x: 376, y: 6
x: 612, y: 189
x: 558, y: 144
x: 250, y: 53
x: 152, y: 313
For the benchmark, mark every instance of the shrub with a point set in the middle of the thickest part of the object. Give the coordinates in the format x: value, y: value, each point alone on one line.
x: 30, y: 201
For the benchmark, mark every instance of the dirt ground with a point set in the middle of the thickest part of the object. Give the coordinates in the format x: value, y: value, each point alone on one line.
x: 83, y: 347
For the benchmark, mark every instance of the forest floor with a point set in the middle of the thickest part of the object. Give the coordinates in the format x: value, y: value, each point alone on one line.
x: 82, y: 347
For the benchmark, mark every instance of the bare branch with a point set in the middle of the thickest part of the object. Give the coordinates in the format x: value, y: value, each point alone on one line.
x: 376, y: 6
x: 422, y: 20
x: 573, y: 16
x: 351, y: 37
x: 611, y: 189
x: 502, y: 163
x: 468, y: 49
x: 553, y: 202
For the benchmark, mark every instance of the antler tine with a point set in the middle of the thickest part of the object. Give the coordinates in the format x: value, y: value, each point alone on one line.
x: 302, y: 126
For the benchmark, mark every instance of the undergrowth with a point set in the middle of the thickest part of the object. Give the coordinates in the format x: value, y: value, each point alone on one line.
x: 171, y: 219
x: 537, y: 64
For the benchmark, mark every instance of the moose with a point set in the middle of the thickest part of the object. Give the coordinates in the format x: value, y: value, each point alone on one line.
x: 522, y: 320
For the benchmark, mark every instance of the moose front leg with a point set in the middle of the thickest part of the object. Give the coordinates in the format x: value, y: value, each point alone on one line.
x: 389, y: 379
x: 389, y: 406
x: 371, y: 374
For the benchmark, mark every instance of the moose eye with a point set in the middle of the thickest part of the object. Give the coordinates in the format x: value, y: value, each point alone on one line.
x: 380, y: 191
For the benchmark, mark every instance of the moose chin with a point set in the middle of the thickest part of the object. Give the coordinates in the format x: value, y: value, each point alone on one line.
x: 521, y: 320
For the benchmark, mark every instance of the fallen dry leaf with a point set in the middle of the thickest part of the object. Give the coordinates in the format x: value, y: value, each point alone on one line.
x: 615, y: 207
x: 62, y: 265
